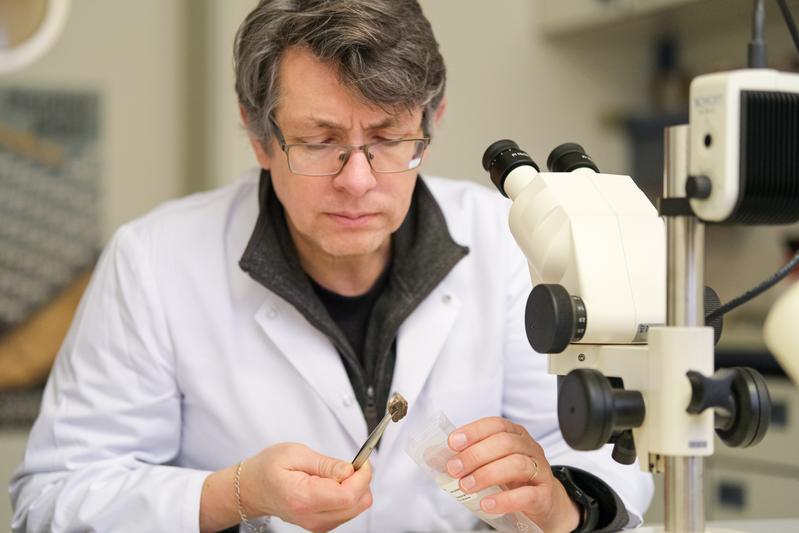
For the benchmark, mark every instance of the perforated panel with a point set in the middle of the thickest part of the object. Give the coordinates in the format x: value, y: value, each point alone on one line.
x: 49, y: 173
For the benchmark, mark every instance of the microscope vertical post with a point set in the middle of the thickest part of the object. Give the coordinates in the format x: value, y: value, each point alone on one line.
x: 685, y: 236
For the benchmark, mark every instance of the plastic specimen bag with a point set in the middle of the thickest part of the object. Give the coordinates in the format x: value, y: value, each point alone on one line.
x: 428, y: 446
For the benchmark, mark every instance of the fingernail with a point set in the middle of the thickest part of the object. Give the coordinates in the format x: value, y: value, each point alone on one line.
x: 458, y: 440
x: 467, y: 482
x: 454, y: 466
x: 488, y: 503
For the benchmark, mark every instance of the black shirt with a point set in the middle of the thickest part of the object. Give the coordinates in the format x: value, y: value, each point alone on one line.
x: 352, y: 313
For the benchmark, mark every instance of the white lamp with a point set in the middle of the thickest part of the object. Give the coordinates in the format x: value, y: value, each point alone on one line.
x: 28, y: 28
x: 781, y: 331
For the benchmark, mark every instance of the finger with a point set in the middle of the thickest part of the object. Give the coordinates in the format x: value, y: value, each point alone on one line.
x: 490, y: 449
x: 363, y: 503
x: 359, y: 481
x: 327, y: 520
x: 480, y: 429
x: 326, y: 494
x: 316, y: 464
x: 512, y: 470
x: 315, y: 494
x: 532, y: 500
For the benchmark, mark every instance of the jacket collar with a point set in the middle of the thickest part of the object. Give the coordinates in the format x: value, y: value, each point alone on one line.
x: 423, y: 253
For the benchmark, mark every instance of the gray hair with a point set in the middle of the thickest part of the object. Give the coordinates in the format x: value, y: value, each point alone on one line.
x: 384, y: 50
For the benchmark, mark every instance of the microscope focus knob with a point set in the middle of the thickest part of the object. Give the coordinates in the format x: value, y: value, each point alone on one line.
x: 590, y: 411
x: 740, y: 399
x: 753, y: 410
x: 553, y: 318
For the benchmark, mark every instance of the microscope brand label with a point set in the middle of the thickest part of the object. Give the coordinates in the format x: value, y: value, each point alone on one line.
x: 711, y: 100
x: 643, y: 332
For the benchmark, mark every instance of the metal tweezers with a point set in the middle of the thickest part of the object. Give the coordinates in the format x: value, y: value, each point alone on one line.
x: 396, y: 410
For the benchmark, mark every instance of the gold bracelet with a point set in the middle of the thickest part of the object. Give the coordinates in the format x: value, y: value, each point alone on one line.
x: 237, y: 490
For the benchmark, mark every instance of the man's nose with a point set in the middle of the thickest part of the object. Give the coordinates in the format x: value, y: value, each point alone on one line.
x: 356, y: 177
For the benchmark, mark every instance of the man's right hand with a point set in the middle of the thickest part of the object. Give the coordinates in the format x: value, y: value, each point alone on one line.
x: 300, y: 486
x: 292, y: 482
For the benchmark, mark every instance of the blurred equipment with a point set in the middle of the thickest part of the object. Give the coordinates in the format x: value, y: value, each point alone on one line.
x: 27, y: 350
x: 49, y: 195
x: 28, y: 28
x: 49, y: 223
x: 743, y: 162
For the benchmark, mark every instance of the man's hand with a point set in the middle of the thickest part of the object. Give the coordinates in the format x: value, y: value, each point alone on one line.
x: 292, y: 482
x: 495, y: 451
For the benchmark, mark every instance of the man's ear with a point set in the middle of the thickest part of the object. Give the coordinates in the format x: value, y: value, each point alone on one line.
x: 439, y: 112
x: 260, y: 154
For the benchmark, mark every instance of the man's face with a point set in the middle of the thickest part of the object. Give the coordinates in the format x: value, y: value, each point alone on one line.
x: 354, y: 212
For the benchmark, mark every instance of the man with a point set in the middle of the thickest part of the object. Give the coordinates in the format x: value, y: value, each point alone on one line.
x: 235, y: 347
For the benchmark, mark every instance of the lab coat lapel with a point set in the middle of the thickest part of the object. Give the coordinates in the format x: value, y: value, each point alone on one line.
x: 316, y: 360
x: 420, y: 341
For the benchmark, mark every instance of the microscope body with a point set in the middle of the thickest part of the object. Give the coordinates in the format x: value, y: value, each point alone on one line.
x: 598, y: 237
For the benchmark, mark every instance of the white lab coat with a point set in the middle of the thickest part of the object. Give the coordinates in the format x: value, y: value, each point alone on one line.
x: 178, y: 364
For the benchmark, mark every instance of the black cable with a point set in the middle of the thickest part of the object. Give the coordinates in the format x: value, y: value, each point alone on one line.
x: 751, y: 293
x: 757, y: 44
x: 790, y: 22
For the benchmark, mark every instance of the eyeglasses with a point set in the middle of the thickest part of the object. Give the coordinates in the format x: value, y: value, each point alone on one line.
x: 324, y: 159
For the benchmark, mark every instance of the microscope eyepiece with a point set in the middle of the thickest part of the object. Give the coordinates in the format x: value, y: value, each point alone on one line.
x: 501, y: 158
x: 568, y: 157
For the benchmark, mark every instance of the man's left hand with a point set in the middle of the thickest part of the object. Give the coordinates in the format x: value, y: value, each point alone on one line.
x: 495, y: 451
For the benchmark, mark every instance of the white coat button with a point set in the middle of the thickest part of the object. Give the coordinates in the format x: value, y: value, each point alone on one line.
x: 272, y: 313
x: 348, y: 401
x: 446, y: 298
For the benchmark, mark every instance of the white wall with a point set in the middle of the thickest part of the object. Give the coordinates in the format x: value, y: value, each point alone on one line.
x: 507, y: 81
x: 219, y: 149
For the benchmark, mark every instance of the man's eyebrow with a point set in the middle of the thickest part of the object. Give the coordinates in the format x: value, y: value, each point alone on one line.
x: 387, y: 122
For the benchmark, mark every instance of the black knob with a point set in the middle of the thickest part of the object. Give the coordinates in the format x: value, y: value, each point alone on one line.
x: 741, y: 403
x: 698, y: 187
x: 752, y: 414
x: 624, y: 448
x: 711, y: 392
x: 568, y: 157
x: 553, y: 318
x: 590, y: 410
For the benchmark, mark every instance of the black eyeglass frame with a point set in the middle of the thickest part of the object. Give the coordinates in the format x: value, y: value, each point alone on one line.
x: 347, y: 151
